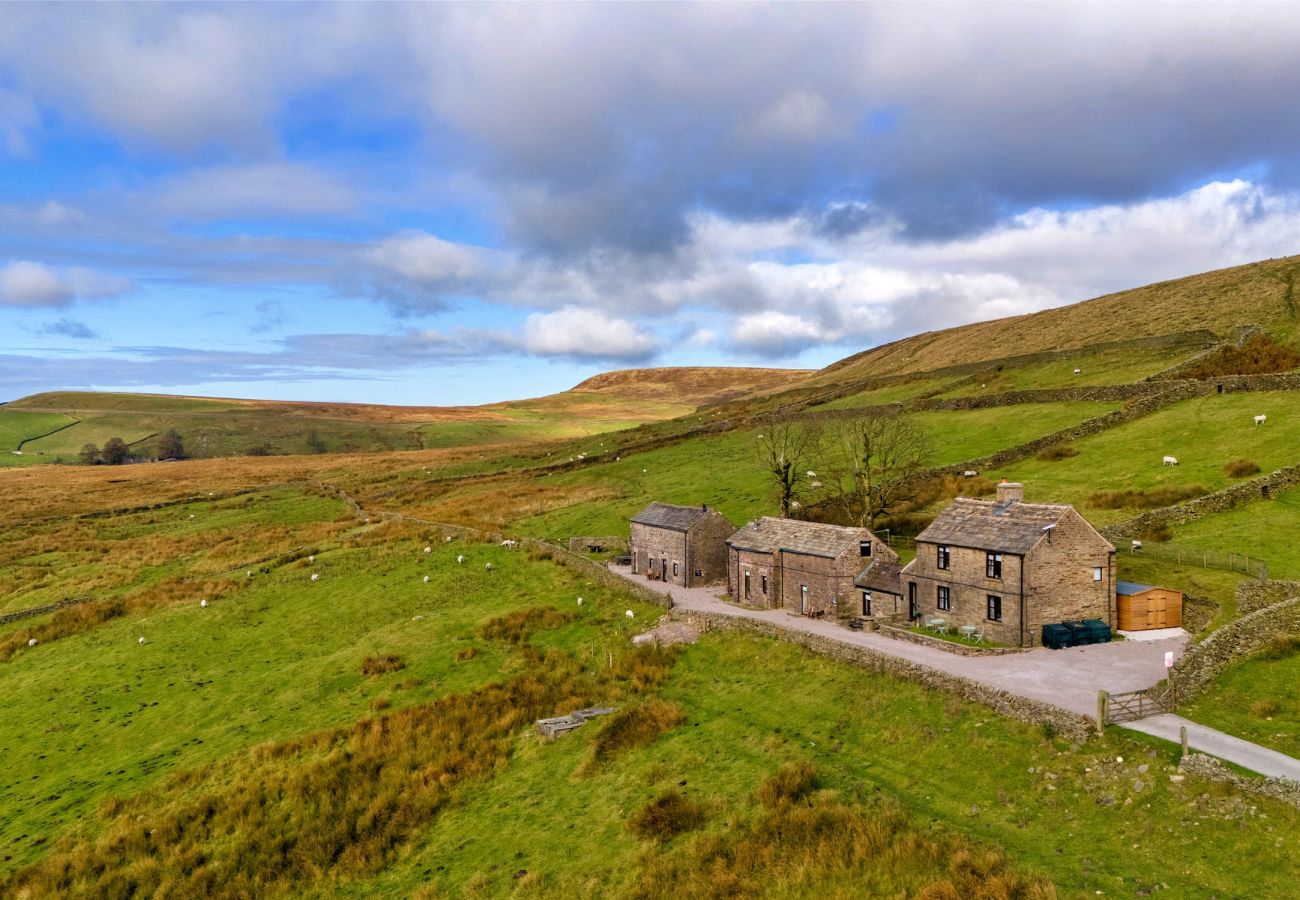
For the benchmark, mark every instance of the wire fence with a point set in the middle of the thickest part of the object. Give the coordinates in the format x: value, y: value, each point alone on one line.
x: 1222, y: 560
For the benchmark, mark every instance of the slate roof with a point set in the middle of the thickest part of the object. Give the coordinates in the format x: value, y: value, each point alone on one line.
x: 666, y: 515
x: 983, y: 525
x: 881, y: 575
x: 1129, y: 588
x: 767, y: 535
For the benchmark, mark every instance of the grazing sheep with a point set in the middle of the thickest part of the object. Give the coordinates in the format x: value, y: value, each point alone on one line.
x: 315, y: 576
x: 1078, y: 371
x: 1259, y: 420
x: 1171, y: 461
x: 795, y: 504
x: 460, y: 559
x: 643, y: 471
x: 815, y: 484
x: 508, y: 544
x: 487, y: 567
x: 811, y: 474
x: 141, y: 639
x: 191, y: 515
x: 250, y: 573
x: 31, y: 642
x: 203, y: 603
x: 311, y: 559
x: 428, y: 549
x: 426, y: 579
x: 630, y: 614
x: 969, y: 473
x: 579, y: 601
x: 1137, y: 545
x: 447, y: 539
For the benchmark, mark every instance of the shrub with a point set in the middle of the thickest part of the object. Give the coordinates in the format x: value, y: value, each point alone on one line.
x: 1240, y: 468
x: 1257, y: 355
x: 1283, y: 647
x: 1264, y: 709
x: 1056, y: 452
x: 635, y: 726
x: 467, y: 654
x: 382, y: 664
x: 665, y: 817
x: 792, y: 782
x: 515, y: 627
x: 1134, y: 498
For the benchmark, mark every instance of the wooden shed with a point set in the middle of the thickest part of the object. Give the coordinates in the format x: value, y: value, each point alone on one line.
x: 1142, y: 607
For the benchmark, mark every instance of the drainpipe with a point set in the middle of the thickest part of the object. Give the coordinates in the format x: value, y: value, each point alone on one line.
x: 1022, y: 601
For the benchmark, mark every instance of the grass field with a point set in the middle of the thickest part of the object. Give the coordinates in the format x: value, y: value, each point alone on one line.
x: 1264, y: 529
x: 17, y: 426
x: 1257, y: 699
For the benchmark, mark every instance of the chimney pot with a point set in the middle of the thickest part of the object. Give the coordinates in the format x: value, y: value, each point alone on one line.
x: 1010, y: 492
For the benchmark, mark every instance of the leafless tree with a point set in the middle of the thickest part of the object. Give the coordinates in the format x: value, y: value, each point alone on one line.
x: 870, y: 456
x: 786, y: 448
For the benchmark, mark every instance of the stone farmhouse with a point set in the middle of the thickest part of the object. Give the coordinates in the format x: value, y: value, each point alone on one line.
x: 682, y: 545
x: 1010, y: 567
x: 803, y: 567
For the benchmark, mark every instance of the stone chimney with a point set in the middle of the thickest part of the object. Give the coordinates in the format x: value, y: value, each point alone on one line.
x: 1010, y: 492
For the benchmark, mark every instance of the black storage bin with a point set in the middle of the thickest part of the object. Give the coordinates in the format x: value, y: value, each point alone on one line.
x: 1057, y: 636
x: 1081, y: 633
x: 1100, y: 631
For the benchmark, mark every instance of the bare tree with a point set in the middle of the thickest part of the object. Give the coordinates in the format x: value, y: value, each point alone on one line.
x: 786, y: 448
x: 89, y: 454
x: 871, y: 455
x: 171, y: 445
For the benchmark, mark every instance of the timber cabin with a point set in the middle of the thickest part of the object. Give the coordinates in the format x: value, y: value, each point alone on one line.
x: 682, y: 545
x: 805, y: 568
x: 1010, y: 567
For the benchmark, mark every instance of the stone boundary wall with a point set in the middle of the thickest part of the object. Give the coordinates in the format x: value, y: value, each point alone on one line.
x: 1283, y: 790
x: 41, y: 610
x: 1205, y: 661
x: 1237, y: 338
x: 1076, y: 727
x: 1262, y: 487
x: 912, y: 637
x: 1255, y: 595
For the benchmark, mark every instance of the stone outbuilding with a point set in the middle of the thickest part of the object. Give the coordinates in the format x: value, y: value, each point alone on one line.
x: 682, y: 545
x: 880, y: 589
x: 804, y: 568
x: 1009, y: 567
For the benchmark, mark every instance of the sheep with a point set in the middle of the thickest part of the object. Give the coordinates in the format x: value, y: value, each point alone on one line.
x: 1078, y: 371
x: 579, y: 601
x: 643, y: 471
x: 203, y: 604
x: 311, y: 559
x: 31, y: 642
x: 1137, y: 545
x: 795, y: 504
x: 509, y: 543
x: 814, y: 484
x: 315, y: 576
x: 460, y: 559
x: 141, y: 639
x: 1171, y: 461
x: 969, y: 473
x: 250, y: 573
x: 488, y: 568
x: 1259, y: 420
x: 811, y: 474
x: 191, y: 515
x: 428, y: 549
x: 630, y: 614
x: 426, y: 579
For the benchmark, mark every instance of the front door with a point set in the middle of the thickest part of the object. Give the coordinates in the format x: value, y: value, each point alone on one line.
x: 663, y: 568
x: 803, y: 599
x: 912, y: 611
x: 746, y: 585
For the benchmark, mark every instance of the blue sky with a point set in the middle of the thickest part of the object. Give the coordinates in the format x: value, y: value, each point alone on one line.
x: 448, y: 203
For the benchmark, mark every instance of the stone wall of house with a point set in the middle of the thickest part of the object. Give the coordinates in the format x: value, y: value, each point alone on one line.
x: 1061, y: 578
x: 708, y: 549
x: 968, y: 590
x: 760, y: 566
x: 1205, y: 661
x: 656, y: 551
x: 1262, y: 488
x: 831, y: 591
x: 1060, y: 721
x: 1281, y: 789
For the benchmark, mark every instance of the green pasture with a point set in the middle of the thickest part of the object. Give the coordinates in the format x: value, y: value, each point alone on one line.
x: 1257, y: 699
x: 1110, y: 366
x: 1264, y: 529
x: 1202, y: 434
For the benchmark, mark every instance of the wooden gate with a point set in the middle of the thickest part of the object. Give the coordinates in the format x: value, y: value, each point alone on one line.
x: 1134, y: 705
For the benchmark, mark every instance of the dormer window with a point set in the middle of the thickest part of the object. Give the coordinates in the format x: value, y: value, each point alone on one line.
x: 993, y: 564
x: 864, y: 548
x: 943, y: 556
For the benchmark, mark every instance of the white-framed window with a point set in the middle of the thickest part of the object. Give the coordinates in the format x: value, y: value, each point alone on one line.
x: 1096, y: 573
x: 943, y: 556
x: 993, y: 564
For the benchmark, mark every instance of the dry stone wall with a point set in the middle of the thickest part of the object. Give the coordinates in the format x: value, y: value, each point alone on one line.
x: 34, y: 611
x: 1205, y: 661
x: 1282, y: 789
x: 1255, y: 595
x: 1060, y: 721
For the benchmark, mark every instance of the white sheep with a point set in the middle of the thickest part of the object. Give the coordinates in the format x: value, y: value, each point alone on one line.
x: 447, y: 539
x: 426, y: 579
x: 643, y: 471
x: 311, y: 559
x: 579, y: 601
x: 509, y: 543
x: 250, y: 573
x: 1171, y: 461
x: 31, y: 642
x: 488, y: 568
x: 1137, y: 545
x: 795, y: 504
x: 141, y: 639
x: 630, y: 614
x: 191, y: 515
x: 460, y: 559
x: 969, y: 473
x: 203, y: 604
x: 315, y: 576
x: 1259, y: 420
x: 815, y: 484
x: 811, y: 474
x: 1078, y: 371
x: 428, y: 549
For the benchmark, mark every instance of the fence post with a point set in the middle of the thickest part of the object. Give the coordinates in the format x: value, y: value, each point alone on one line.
x: 1182, y: 738
x: 1103, y: 704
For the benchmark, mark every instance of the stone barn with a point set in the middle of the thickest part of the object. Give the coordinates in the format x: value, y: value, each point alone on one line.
x: 1011, y: 567
x: 682, y: 545
x: 1142, y: 607
x: 805, y: 568
x: 880, y: 586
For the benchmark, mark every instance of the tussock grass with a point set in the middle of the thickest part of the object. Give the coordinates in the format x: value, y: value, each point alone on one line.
x: 1056, y: 452
x: 635, y: 726
x: 791, y: 783
x: 1264, y: 709
x: 1240, y: 468
x: 515, y: 627
x: 1283, y: 647
x: 1152, y: 498
x: 666, y: 816
x: 381, y: 664
x: 1259, y: 354
x: 818, y: 844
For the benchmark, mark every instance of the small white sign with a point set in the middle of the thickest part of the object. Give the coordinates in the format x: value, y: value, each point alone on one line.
x: 1169, y: 659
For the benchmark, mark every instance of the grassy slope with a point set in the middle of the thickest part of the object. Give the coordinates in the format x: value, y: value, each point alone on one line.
x: 1250, y: 294
x: 17, y: 426
x: 1257, y: 699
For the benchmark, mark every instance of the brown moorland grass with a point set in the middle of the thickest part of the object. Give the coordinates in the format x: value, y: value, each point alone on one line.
x: 818, y: 843
x: 1258, y: 355
x: 1056, y: 452
x: 1152, y: 498
x: 381, y: 664
x: 666, y: 816
x: 1241, y: 468
x: 515, y: 627
x: 331, y: 805
x: 634, y: 726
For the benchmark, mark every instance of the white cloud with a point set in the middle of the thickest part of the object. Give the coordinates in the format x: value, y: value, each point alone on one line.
x: 772, y: 333
x: 585, y: 334
x: 267, y: 188
x: 53, y: 214
x: 18, y: 118
x: 32, y: 284
x: 427, y: 259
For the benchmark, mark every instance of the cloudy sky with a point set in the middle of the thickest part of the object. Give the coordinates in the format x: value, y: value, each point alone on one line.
x: 465, y: 203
